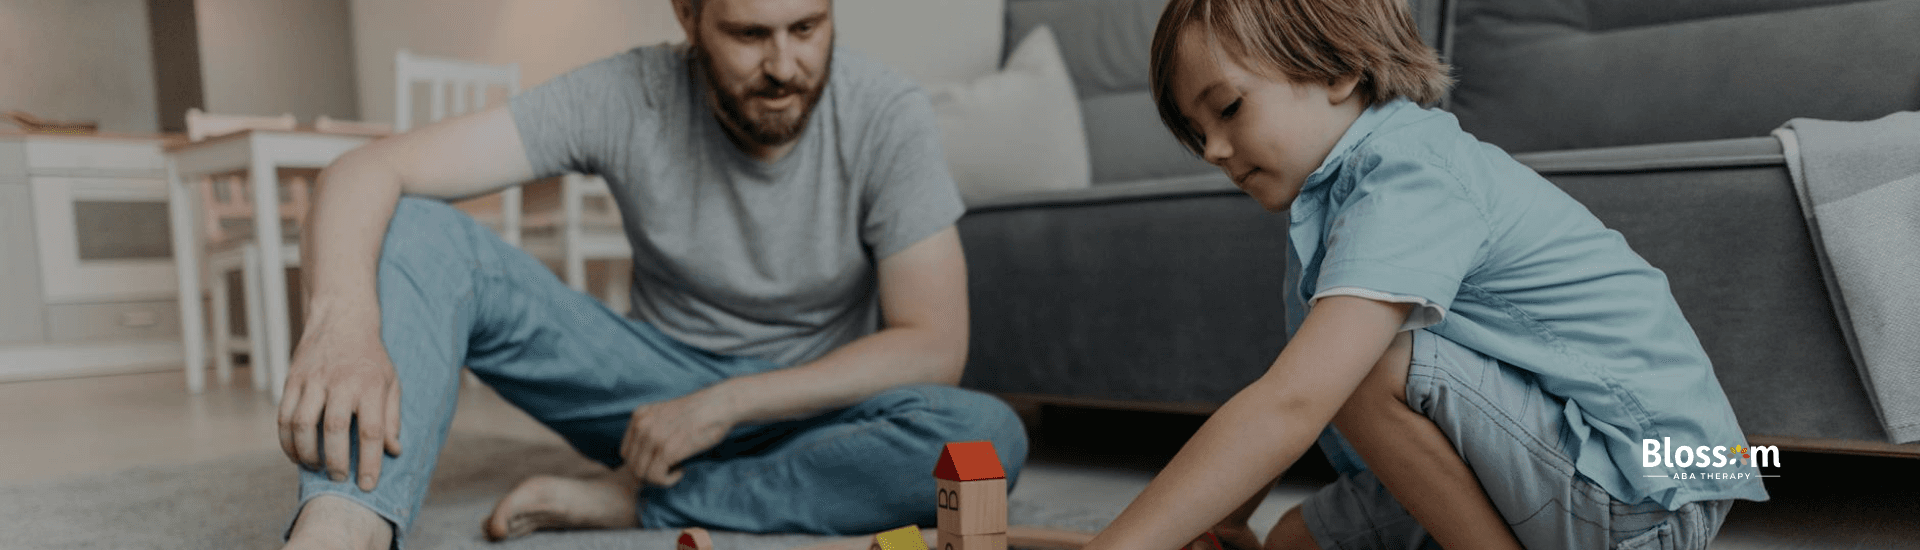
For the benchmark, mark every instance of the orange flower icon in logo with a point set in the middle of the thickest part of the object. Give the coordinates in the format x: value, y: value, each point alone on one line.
x: 1742, y: 451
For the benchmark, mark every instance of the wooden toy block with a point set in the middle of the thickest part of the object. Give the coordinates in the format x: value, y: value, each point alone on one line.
x: 969, y: 461
x: 904, y: 538
x: 972, y: 507
x: 972, y: 489
x: 694, y: 538
x: 990, y: 541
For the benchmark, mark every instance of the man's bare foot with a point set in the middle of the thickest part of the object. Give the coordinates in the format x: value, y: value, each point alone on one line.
x: 335, y: 523
x: 551, y: 502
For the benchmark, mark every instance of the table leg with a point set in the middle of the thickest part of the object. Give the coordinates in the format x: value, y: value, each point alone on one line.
x: 186, y: 260
x: 273, y: 271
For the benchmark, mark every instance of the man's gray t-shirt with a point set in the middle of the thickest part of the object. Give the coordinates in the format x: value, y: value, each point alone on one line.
x: 734, y: 255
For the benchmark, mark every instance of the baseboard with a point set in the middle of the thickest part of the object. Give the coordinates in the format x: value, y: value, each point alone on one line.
x: 80, y: 359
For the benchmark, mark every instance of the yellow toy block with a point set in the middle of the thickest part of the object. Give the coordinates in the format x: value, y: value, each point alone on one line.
x: 904, y: 538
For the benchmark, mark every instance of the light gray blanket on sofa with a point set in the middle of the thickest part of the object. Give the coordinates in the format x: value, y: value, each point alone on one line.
x: 1859, y: 187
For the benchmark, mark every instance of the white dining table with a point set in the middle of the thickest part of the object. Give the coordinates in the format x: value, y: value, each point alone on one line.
x: 259, y: 153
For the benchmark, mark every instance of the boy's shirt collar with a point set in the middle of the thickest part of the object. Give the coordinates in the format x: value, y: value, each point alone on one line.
x: 1370, y: 120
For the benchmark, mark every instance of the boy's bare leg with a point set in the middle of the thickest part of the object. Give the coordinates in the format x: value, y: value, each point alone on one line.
x: 1415, y: 461
x: 335, y: 523
x: 609, y: 501
x: 1290, y: 533
x: 1233, y: 530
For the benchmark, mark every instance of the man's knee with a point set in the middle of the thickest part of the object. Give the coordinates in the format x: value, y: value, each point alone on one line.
x: 967, y: 415
x: 424, y: 224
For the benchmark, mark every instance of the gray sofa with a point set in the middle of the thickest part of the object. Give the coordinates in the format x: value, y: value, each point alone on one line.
x: 1160, y: 287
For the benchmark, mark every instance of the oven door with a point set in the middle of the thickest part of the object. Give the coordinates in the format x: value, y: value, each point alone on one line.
x: 103, y: 239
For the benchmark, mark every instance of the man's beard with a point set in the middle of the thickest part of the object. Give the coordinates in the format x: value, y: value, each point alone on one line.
x: 770, y: 128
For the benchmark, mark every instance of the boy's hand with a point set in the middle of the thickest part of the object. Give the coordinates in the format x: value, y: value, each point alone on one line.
x: 661, y: 435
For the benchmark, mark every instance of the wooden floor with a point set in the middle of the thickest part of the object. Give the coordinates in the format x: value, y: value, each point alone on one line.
x: 72, y: 427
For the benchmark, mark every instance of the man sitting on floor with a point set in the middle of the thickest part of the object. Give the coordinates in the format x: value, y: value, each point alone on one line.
x: 799, y: 293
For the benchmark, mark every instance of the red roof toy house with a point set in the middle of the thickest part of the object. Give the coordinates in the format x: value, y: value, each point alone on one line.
x: 972, y: 497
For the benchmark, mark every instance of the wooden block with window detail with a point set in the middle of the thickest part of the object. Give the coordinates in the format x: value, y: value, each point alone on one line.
x: 971, y: 490
x: 985, y: 541
x: 972, y: 507
x: 904, y: 538
x: 694, y: 538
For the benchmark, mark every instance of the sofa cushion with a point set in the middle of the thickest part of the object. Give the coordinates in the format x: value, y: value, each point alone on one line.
x: 1017, y: 130
x: 1165, y: 292
x: 1559, y: 74
x: 1719, y: 218
x: 1127, y: 142
x: 935, y: 42
x: 1105, y: 42
x: 1105, y: 45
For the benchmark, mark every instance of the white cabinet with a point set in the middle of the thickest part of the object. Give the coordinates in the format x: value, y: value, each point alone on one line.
x: 87, y: 282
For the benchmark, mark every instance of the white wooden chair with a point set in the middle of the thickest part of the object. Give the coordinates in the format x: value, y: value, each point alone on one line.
x: 585, y: 228
x: 455, y: 87
x: 226, y: 210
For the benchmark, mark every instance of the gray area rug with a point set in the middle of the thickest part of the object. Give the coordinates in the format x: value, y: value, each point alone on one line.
x: 245, y: 501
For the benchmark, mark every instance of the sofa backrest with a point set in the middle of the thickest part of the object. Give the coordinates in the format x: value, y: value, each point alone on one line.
x: 1563, y: 74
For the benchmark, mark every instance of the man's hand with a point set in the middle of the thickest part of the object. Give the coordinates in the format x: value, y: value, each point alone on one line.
x: 338, y: 376
x: 663, y: 434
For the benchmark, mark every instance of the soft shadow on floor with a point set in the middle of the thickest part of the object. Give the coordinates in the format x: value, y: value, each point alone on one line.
x: 1820, y: 501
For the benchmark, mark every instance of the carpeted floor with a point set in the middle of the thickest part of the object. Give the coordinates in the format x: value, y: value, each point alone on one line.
x: 244, y: 502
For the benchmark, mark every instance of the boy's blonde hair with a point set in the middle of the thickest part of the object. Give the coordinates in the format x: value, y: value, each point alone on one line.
x: 1305, y: 41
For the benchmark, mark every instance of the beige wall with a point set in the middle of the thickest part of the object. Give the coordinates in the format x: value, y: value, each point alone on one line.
x: 93, y: 59
x: 545, y: 37
x: 266, y: 57
x: 934, y: 40
x: 78, y: 60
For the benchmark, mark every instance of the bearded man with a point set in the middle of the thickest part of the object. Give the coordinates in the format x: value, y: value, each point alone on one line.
x: 799, y: 302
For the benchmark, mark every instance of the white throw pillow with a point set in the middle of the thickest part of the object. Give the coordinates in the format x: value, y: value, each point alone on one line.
x: 1018, y: 130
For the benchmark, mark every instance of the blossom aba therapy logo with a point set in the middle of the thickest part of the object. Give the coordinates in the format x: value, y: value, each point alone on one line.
x: 1704, y: 462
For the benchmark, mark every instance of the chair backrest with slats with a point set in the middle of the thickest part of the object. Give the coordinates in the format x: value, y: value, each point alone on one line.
x: 456, y: 87
x: 329, y: 125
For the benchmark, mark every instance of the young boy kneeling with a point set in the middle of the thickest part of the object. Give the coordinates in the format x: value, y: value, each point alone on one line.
x: 1494, y: 354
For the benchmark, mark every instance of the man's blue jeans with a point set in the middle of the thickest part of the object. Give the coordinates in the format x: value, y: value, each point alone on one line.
x: 452, y: 293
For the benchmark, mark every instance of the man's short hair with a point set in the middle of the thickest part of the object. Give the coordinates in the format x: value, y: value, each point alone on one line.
x: 1317, y: 41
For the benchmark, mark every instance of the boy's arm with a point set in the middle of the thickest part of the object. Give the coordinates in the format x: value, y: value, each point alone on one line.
x: 1262, y: 430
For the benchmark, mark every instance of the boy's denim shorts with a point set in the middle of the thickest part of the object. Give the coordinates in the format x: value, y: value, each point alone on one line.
x: 1509, y: 430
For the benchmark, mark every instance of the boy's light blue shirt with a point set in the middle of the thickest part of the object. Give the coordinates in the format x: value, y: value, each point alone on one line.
x: 1409, y: 205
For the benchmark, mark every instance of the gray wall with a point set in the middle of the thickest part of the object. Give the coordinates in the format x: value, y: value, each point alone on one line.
x: 78, y: 60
